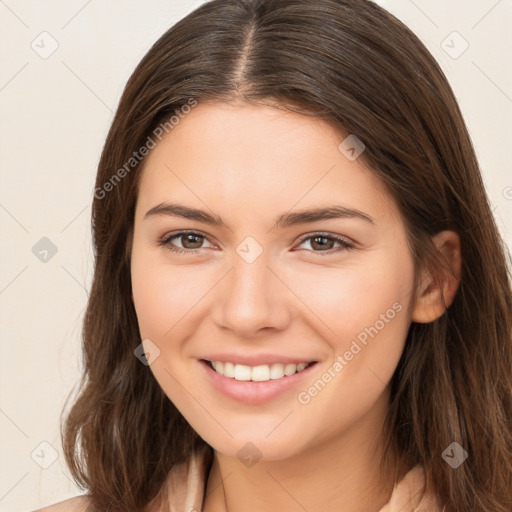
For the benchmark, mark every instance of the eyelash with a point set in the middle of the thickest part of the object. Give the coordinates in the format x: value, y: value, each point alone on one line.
x: 166, y: 242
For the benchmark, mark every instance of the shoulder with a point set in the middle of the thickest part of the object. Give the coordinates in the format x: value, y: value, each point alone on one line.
x: 76, y: 504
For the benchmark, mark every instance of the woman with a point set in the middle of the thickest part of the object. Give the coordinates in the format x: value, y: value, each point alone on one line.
x: 301, y: 300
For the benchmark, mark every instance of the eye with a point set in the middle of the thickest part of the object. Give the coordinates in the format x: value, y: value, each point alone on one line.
x: 190, y: 240
x: 325, y: 242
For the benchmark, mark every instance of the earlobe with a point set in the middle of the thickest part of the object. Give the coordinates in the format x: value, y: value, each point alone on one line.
x: 435, y: 297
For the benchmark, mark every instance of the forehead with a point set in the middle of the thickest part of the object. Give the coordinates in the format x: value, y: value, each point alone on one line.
x: 251, y: 156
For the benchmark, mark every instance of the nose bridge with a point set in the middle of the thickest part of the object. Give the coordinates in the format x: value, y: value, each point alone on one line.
x: 249, y: 300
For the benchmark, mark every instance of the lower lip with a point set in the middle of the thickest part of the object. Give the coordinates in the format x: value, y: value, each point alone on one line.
x: 254, y: 393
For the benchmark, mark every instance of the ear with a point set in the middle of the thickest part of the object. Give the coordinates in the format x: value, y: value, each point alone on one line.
x: 434, y: 298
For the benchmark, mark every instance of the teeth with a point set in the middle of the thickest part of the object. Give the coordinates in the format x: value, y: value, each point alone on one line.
x: 242, y: 372
x: 259, y: 373
x: 290, y: 369
x: 277, y: 371
x: 229, y: 370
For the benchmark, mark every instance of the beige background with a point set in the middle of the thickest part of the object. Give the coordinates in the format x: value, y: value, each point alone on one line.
x: 56, y: 110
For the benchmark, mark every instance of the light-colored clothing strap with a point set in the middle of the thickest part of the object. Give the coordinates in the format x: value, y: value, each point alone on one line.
x: 408, y: 495
x: 187, y: 481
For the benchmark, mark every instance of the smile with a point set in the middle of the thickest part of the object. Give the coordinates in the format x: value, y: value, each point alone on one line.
x: 258, y: 384
x: 260, y: 373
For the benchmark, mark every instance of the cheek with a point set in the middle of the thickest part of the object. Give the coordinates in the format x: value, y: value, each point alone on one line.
x: 363, y: 314
x: 369, y: 341
x: 164, y: 299
x: 163, y: 294
x: 347, y: 299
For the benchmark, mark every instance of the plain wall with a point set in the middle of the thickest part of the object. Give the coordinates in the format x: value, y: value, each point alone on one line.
x: 56, y: 110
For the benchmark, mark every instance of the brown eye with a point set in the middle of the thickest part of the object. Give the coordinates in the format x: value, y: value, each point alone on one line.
x: 324, y: 243
x: 183, y: 242
x: 191, y: 241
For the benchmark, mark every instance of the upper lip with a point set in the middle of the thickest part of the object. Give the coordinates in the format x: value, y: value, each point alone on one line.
x: 258, y: 359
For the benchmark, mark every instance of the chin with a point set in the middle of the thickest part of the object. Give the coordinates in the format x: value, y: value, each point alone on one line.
x: 258, y: 443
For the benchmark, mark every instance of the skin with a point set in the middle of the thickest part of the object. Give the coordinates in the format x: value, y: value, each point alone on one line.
x: 249, y: 164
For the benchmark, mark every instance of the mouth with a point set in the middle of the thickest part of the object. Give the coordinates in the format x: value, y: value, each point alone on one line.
x: 260, y: 373
x: 257, y: 385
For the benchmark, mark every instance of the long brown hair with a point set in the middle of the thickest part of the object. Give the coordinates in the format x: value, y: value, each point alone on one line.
x: 354, y: 65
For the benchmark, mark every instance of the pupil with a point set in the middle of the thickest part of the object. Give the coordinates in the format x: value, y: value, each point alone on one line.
x: 189, y: 238
x: 321, y: 245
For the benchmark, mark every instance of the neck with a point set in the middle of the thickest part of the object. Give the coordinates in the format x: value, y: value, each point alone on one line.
x: 342, y: 473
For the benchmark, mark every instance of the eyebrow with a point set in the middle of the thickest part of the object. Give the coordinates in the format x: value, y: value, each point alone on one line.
x: 284, y: 220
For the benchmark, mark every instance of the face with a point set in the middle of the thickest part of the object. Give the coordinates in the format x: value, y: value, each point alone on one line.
x: 304, y: 316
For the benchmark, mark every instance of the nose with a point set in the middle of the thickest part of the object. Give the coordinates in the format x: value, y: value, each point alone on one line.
x: 252, y: 299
